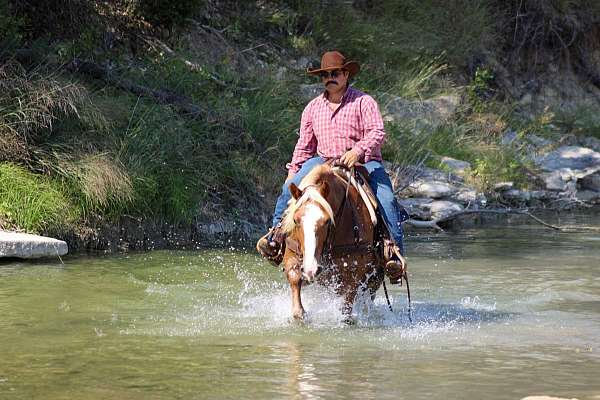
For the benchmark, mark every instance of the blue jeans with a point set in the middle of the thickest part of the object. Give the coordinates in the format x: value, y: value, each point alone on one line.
x: 380, y: 183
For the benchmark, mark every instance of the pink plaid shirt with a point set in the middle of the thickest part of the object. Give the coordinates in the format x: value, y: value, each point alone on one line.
x: 356, y: 124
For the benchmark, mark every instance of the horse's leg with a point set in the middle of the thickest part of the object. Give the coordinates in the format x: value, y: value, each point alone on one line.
x: 349, y: 297
x: 294, y: 277
x: 375, y: 282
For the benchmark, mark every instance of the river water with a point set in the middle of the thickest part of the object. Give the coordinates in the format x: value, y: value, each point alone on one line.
x: 498, y: 313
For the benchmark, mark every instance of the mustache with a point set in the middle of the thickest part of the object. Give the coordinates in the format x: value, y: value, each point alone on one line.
x: 331, y: 82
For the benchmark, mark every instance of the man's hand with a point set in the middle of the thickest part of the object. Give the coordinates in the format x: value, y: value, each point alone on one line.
x: 349, y: 158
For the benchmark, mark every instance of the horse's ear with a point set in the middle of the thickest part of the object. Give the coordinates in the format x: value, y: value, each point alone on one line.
x: 325, y: 189
x: 295, y: 191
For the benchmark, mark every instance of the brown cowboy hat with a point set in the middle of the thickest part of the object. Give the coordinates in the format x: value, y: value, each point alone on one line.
x: 333, y: 60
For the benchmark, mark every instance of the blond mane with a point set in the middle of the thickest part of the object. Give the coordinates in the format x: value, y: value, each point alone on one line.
x: 309, y: 187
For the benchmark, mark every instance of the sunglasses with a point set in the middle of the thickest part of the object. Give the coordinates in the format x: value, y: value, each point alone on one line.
x: 334, y: 74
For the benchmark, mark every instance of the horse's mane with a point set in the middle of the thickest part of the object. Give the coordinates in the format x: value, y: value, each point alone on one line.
x: 309, y: 186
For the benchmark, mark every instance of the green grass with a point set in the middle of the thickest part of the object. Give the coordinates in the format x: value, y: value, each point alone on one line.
x: 32, y: 202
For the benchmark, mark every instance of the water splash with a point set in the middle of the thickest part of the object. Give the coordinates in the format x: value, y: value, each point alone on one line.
x: 249, y: 304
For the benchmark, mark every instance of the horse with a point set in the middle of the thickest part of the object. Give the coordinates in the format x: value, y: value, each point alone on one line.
x: 330, y: 239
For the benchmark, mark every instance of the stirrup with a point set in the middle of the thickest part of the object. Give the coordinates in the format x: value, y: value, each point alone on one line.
x: 395, y: 263
x: 272, y: 245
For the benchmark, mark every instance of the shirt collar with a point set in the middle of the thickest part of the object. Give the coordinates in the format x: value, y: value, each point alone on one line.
x: 349, y: 91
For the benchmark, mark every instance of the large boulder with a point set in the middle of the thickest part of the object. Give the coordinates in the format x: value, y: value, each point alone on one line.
x: 23, y: 245
x: 432, y: 188
x: 443, y: 208
x: 563, y: 167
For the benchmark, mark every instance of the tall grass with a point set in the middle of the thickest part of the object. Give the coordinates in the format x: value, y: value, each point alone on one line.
x: 32, y: 202
x: 30, y: 105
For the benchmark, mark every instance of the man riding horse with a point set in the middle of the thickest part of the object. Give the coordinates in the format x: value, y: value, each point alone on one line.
x: 342, y: 123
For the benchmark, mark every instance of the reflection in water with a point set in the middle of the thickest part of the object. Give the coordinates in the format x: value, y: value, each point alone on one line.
x: 303, y: 381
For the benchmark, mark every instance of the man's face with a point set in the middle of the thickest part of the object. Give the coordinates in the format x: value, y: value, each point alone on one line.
x: 334, y: 80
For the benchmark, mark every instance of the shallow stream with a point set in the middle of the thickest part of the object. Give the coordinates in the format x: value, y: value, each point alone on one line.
x: 498, y: 313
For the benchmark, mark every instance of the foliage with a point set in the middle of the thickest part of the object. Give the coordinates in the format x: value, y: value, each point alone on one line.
x: 57, y: 18
x: 480, y: 90
x: 32, y: 202
x: 456, y: 28
x: 167, y: 14
x: 10, y: 26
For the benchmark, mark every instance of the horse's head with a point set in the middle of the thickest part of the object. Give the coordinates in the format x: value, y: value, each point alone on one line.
x: 308, y: 221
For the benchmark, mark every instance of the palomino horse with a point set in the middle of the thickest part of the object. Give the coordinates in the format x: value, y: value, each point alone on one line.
x: 330, y: 239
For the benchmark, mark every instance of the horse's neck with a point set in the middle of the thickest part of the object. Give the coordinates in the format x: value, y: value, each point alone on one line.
x: 353, y: 213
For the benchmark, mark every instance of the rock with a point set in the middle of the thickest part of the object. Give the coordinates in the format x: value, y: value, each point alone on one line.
x: 23, y: 245
x: 510, y: 137
x: 454, y: 165
x: 303, y: 63
x: 539, y: 141
x: 567, y: 164
x: 309, y: 92
x: 433, y: 189
x: 521, y: 196
x: 558, y: 180
x: 443, y: 208
x: 467, y: 195
x: 503, y: 186
x: 423, y: 114
x: 281, y: 73
x: 417, y: 207
x: 588, y: 196
x: 591, y: 182
x: 543, y: 195
x: 590, y: 142
x: 568, y: 139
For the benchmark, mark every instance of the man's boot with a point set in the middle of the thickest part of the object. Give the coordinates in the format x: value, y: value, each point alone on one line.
x: 395, y: 264
x: 272, y: 245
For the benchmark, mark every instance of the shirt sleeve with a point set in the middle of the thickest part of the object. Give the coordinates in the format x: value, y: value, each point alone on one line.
x: 306, y: 147
x: 373, y: 126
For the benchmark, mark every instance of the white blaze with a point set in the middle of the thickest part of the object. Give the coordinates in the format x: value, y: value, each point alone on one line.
x: 312, y: 214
